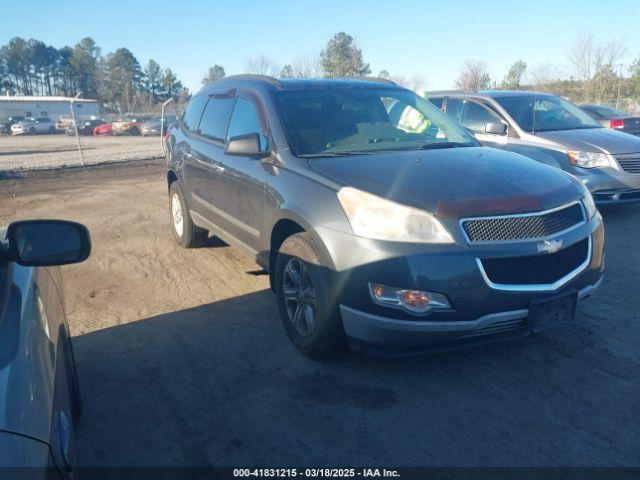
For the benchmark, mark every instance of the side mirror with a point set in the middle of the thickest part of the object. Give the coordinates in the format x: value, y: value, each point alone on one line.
x: 496, y: 128
x: 245, y: 146
x: 35, y: 243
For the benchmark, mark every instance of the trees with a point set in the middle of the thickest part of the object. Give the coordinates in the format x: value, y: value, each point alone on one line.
x: 342, y: 58
x: 262, y: 65
x: 123, y: 79
x: 474, y: 76
x: 31, y: 67
x: 85, y: 60
x: 513, y: 79
x: 215, y: 73
x: 595, y: 63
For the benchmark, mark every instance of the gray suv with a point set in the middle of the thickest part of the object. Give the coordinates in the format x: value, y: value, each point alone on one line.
x: 553, y: 131
x: 381, y: 222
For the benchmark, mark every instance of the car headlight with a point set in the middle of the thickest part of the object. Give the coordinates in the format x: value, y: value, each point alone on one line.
x: 374, y: 217
x: 589, y: 203
x: 589, y: 159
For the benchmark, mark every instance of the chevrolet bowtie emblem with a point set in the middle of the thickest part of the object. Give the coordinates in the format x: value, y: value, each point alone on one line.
x: 550, y: 246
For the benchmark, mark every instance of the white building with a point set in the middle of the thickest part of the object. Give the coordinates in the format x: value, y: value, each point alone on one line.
x: 52, y: 107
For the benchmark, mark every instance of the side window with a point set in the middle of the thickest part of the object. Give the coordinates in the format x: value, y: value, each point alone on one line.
x: 437, y: 101
x: 216, y: 118
x: 475, y: 117
x: 453, y: 108
x: 192, y: 114
x: 245, y: 120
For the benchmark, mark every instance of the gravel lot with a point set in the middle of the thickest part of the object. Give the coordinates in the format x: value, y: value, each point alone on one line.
x: 34, y: 152
x: 183, y: 361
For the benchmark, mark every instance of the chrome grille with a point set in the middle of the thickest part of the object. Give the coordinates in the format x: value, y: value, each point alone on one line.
x: 629, y: 162
x: 526, y: 226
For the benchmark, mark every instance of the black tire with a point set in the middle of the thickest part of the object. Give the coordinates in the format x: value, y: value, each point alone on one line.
x: 134, y: 131
x: 327, y: 338
x: 32, y: 131
x: 192, y: 236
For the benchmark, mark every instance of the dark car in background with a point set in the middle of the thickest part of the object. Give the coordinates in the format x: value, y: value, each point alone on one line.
x: 84, y: 127
x: 552, y: 131
x: 610, y: 117
x: 381, y: 222
x: 39, y: 392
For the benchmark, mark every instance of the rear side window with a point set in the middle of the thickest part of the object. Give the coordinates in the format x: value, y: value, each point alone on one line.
x: 245, y: 120
x: 193, y: 112
x: 215, y: 118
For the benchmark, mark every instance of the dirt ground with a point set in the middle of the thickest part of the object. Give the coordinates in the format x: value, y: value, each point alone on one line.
x: 37, y: 152
x: 183, y: 361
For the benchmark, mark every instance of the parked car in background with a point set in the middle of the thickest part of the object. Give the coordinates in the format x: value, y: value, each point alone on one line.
x: 613, y: 118
x: 155, y: 126
x: 381, y: 222
x: 128, y: 125
x: 39, y: 392
x: 63, y: 122
x: 553, y: 131
x: 102, y: 130
x: 33, y: 126
x: 5, y: 127
x: 84, y: 128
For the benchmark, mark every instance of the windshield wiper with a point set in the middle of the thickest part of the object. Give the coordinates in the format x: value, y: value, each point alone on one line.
x: 430, y: 146
x: 335, y: 154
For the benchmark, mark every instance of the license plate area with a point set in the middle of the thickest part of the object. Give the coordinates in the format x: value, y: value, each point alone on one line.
x: 549, y: 312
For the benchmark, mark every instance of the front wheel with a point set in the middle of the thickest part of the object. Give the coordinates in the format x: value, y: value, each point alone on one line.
x: 186, y: 233
x: 307, y: 297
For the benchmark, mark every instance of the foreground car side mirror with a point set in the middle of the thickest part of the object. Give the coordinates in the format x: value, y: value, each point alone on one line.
x: 36, y: 243
x: 496, y: 128
x: 245, y: 146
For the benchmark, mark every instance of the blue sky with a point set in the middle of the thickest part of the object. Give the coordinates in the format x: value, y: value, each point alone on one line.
x: 428, y: 38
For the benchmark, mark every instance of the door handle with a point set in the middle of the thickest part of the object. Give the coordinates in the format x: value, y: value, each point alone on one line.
x: 218, y: 168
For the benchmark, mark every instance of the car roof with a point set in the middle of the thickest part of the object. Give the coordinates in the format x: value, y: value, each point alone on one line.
x: 485, y: 93
x: 264, y: 82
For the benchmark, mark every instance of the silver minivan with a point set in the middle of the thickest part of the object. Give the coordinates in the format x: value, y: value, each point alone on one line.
x: 553, y: 131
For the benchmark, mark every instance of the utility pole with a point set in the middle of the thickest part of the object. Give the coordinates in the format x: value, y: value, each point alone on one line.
x: 75, y: 126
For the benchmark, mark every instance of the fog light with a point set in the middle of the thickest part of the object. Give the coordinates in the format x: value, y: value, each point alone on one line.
x: 414, y: 301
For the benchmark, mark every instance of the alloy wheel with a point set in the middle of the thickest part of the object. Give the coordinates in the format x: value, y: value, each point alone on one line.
x: 176, y: 214
x: 300, y: 296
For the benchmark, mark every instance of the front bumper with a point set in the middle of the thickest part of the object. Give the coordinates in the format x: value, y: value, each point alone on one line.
x: 480, y: 311
x: 610, y: 185
x: 366, y: 331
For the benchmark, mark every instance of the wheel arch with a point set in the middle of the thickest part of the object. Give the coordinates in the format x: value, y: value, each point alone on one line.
x: 289, y: 224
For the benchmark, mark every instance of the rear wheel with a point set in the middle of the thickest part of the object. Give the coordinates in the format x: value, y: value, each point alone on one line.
x: 306, y: 297
x: 134, y: 131
x: 32, y: 131
x: 186, y: 233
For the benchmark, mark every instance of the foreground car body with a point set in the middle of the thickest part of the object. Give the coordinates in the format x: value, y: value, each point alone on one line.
x: 552, y: 131
x: 379, y: 220
x: 39, y: 394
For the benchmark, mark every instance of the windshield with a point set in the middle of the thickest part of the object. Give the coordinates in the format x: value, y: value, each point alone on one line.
x: 364, y: 120
x: 545, y: 113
